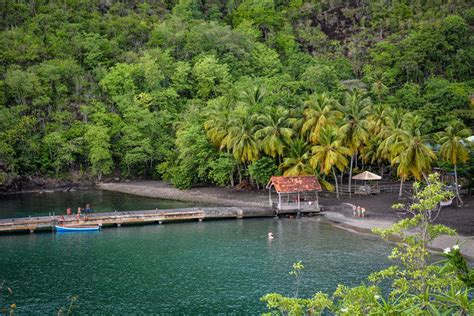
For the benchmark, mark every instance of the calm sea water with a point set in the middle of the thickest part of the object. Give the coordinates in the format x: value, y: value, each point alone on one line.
x: 213, y: 267
x: 26, y: 204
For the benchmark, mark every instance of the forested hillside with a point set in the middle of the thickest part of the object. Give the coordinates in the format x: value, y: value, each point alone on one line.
x: 216, y: 91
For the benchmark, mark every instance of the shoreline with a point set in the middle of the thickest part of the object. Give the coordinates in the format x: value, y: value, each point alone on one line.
x: 338, y: 212
x: 365, y: 226
x: 51, y: 190
x: 162, y: 190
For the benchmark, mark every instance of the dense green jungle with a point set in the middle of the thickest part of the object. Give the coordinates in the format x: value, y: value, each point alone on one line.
x: 226, y: 92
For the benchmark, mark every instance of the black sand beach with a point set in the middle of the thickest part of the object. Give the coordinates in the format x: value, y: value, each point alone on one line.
x: 377, y: 206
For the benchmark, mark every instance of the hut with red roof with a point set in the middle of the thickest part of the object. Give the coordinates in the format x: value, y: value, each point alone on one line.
x: 295, y: 194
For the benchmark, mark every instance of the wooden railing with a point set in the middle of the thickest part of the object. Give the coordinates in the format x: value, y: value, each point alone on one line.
x: 380, y: 188
x: 384, y: 187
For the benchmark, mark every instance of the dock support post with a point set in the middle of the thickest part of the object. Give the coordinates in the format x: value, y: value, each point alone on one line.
x: 299, y: 204
x: 317, y: 202
x: 279, y: 201
x: 270, y: 195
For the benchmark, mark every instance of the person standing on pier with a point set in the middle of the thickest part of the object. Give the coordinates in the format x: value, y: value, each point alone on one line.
x: 88, y: 209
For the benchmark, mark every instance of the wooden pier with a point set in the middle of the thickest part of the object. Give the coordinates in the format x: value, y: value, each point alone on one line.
x: 47, y: 223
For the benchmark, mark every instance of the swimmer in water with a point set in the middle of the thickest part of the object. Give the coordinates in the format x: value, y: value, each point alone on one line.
x: 270, y: 236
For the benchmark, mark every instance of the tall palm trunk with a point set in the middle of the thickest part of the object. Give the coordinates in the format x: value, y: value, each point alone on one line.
x: 401, y: 188
x: 350, y: 175
x: 460, y: 202
x: 239, y: 173
x: 337, y: 186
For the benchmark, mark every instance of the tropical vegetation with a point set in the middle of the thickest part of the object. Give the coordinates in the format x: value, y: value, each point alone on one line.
x: 222, y: 91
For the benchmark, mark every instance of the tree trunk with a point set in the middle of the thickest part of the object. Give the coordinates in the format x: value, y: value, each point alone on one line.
x: 337, y: 187
x: 240, y: 173
x: 350, y: 175
x: 460, y: 202
x: 425, y: 177
x: 401, y: 188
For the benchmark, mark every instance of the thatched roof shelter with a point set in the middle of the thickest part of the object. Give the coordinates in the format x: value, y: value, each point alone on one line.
x: 367, y: 175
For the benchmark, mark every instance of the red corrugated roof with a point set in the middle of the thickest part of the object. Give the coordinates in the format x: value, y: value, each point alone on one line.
x: 294, y: 184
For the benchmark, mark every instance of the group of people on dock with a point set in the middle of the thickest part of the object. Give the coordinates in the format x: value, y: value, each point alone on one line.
x: 87, y: 210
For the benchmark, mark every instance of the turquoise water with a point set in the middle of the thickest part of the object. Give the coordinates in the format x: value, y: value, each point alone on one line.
x: 33, y: 204
x: 213, y: 267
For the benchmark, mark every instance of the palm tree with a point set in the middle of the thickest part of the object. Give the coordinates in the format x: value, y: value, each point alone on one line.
x: 241, y: 140
x: 391, y: 134
x: 378, y: 117
x: 253, y: 96
x: 371, y: 153
x: 275, y: 132
x: 392, y: 131
x: 296, y: 162
x: 320, y: 111
x: 218, y: 119
x: 412, y: 152
x: 355, y: 130
x: 453, y: 150
x: 378, y: 87
x: 329, y: 153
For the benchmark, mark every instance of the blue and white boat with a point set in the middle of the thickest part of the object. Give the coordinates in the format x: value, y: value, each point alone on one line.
x: 67, y: 229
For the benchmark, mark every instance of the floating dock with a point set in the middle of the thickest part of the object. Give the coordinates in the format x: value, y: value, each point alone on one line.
x: 47, y: 223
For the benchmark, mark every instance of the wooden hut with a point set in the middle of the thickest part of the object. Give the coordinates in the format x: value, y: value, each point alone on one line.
x: 295, y: 194
x: 367, y: 189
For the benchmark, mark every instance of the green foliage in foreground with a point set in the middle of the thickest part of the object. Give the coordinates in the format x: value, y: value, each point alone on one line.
x: 417, y: 286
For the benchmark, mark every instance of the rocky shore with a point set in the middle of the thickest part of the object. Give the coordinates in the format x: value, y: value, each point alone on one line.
x: 12, y: 183
x: 31, y: 184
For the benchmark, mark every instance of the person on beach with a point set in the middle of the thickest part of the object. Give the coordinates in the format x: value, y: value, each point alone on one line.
x: 88, y: 209
x: 357, y: 211
x: 78, y: 215
x: 68, y: 211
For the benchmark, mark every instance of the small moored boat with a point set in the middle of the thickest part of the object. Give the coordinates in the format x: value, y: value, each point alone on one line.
x: 64, y: 229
